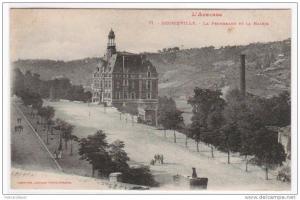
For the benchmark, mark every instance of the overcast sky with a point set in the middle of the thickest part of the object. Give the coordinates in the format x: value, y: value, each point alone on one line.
x: 66, y: 34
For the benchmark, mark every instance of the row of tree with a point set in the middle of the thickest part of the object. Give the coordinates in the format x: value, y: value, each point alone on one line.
x: 236, y: 123
x: 57, y: 88
x: 44, y: 116
x: 172, y: 49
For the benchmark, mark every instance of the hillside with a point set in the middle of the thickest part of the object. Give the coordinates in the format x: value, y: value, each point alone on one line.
x: 268, y: 68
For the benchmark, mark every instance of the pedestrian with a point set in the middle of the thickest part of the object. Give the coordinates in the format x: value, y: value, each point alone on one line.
x: 156, y: 157
x: 161, y: 159
x: 56, y: 155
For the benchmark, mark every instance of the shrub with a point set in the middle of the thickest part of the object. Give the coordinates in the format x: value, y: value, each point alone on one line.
x: 140, y: 176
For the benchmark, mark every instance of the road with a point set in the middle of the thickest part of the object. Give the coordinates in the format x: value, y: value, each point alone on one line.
x: 27, y: 150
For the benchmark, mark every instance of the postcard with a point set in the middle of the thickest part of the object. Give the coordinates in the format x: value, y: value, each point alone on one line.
x: 125, y: 99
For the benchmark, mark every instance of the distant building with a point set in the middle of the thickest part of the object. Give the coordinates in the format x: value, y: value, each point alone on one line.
x: 125, y: 78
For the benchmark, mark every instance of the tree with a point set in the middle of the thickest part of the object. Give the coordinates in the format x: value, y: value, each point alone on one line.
x: 173, y: 121
x: 165, y: 106
x: 18, y: 82
x: 188, y: 134
x: 229, y: 139
x: 132, y: 110
x: 46, y: 114
x: 94, y: 150
x: 276, y: 111
x: 72, y: 138
x: 42, y: 112
x: 118, y: 156
x: 268, y: 153
x: 246, y: 113
x: 32, y: 99
x: 207, y: 115
x: 252, y: 114
x: 195, y: 133
x: 65, y: 129
x: 121, y: 110
x: 87, y: 96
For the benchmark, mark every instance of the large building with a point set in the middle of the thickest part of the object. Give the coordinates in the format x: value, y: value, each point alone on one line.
x: 126, y: 79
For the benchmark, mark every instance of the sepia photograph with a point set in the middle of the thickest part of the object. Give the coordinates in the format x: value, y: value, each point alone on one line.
x: 153, y: 99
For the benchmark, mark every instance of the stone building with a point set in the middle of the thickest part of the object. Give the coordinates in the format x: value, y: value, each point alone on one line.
x: 125, y: 79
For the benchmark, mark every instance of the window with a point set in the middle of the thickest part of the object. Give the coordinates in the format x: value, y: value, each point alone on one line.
x: 125, y: 82
x: 133, y: 95
x: 125, y: 95
x: 148, y: 84
x: 132, y: 84
x: 148, y: 74
x: 96, y: 84
x: 148, y: 95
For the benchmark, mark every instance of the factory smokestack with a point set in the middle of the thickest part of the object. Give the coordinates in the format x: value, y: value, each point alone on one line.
x: 243, y: 75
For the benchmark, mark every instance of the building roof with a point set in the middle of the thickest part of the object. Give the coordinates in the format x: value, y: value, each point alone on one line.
x: 125, y: 62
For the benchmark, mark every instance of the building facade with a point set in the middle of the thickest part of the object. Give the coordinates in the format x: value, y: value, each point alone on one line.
x: 126, y: 79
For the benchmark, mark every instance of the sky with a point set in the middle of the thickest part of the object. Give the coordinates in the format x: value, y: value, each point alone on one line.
x: 68, y: 34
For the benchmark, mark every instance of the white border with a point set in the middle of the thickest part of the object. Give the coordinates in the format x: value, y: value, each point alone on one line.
x: 6, y: 79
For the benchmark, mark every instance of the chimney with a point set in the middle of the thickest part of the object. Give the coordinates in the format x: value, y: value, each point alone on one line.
x: 243, y: 75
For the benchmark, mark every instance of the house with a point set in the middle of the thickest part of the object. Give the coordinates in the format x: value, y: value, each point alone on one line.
x: 126, y: 79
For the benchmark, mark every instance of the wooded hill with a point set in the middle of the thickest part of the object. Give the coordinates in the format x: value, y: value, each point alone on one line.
x: 180, y: 71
